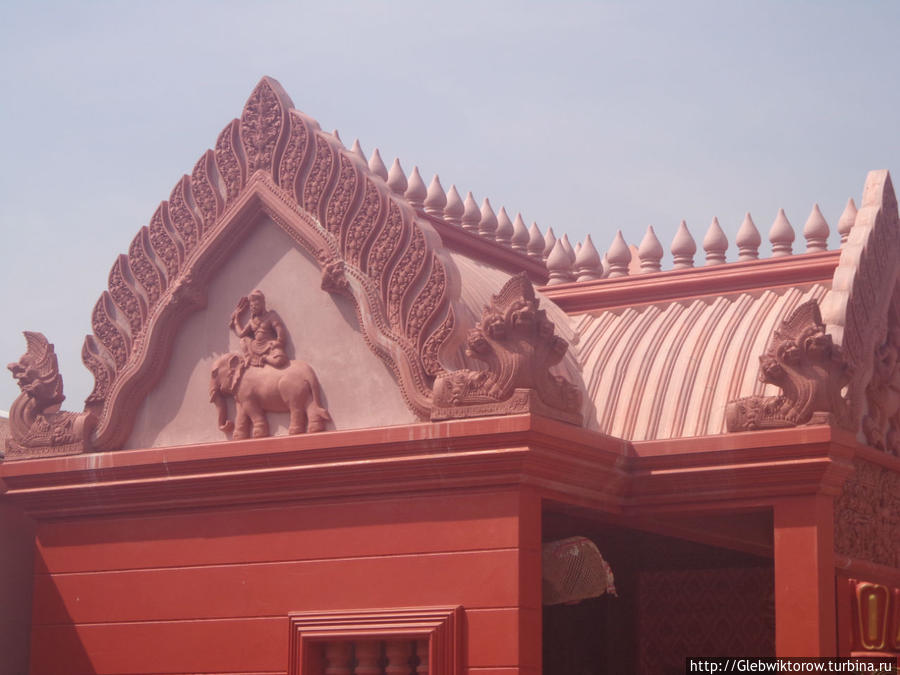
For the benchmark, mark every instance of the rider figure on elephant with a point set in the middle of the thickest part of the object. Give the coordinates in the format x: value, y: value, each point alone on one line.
x: 263, y: 337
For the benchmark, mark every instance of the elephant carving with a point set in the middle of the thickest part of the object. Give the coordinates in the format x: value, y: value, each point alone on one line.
x: 257, y: 390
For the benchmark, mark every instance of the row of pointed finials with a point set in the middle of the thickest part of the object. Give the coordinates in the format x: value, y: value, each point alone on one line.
x: 566, y: 264
x: 465, y: 213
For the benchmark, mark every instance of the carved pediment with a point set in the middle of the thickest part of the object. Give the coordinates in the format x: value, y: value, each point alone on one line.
x: 273, y: 163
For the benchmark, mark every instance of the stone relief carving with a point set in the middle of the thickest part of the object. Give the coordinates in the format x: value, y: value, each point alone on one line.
x: 368, y: 242
x: 519, y: 345
x: 37, y: 426
x: 867, y: 515
x: 810, y: 370
x: 261, y: 379
x: 881, y: 424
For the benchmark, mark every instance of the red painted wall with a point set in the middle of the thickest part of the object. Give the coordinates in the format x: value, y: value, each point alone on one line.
x: 16, y: 551
x: 210, y: 591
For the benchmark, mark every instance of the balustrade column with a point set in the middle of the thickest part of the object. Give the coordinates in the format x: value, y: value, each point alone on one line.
x: 422, y: 655
x: 399, y: 657
x: 339, y: 658
x: 368, y: 657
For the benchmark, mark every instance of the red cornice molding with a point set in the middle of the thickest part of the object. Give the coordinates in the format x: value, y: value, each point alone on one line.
x: 561, y: 462
x: 694, y: 282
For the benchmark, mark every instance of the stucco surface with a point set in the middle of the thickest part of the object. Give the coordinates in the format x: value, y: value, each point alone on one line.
x: 359, y: 390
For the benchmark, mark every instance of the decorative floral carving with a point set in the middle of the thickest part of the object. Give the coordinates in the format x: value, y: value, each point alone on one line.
x: 163, y: 245
x: 386, y: 243
x: 148, y: 275
x: 183, y: 221
x: 294, y: 153
x: 108, y: 333
x: 810, y: 370
x: 124, y: 296
x: 867, y: 515
x: 334, y: 278
x: 318, y: 176
x: 362, y: 225
x: 103, y: 371
x: 37, y: 426
x: 519, y: 345
x: 434, y: 342
x: 881, y: 425
x: 408, y: 268
x: 228, y: 162
x: 261, y: 124
x: 341, y: 197
x: 206, y: 197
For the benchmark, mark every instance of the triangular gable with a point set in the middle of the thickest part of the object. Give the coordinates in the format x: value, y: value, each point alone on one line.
x: 277, y: 163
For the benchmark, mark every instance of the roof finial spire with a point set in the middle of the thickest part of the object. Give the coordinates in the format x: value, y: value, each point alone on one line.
x: 471, y: 215
x: 549, y: 242
x: 650, y: 252
x: 781, y: 236
x: 715, y: 243
x: 435, y: 200
x: 587, y: 262
x: 454, y: 209
x: 748, y: 240
x: 519, y: 239
x: 559, y: 265
x: 535, y: 243
x: 618, y: 256
x: 376, y: 165
x: 358, y: 151
x: 396, y: 179
x: 504, y: 228
x: 416, y: 191
x: 848, y: 218
x: 683, y: 248
x: 487, y: 226
x: 816, y: 231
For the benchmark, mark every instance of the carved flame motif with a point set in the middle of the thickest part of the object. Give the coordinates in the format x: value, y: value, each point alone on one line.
x: 518, y: 343
x: 37, y: 425
x: 367, y: 241
x: 810, y: 370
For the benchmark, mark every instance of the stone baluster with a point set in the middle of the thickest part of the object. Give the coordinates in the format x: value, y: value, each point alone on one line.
x: 487, y: 224
x: 471, y: 214
x: 338, y: 658
x: 368, y: 657
x: 781, y: 236
x: 396, y: 179
x: 358, y: 151
x: 399, y: 657
x: 549, y: 242
x: 588, y: 265
x: 816, y: 231
x: 376, y: 165
x: 435, y: 200
x: 519, y: 240
x: 558, y: 265
x: 715, y: 243
x: 683, y: 248
x: 453, y: 211
x: 423, y: 661
x: 504, y: 228
x: 618, y: 256
x: 748, y: 240
x: 416, y: 190
x: 848, y: 218
x: 535, y: 243
x: 650, y: 252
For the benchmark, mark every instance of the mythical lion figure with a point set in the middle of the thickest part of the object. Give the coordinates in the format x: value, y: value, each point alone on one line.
x: 37, y: 425
x: 518, y: 344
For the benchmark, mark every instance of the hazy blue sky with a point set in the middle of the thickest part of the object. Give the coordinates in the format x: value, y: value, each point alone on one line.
x: 584, y: 116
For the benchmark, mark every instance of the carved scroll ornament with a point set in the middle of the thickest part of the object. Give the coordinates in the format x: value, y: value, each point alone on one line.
x: 37, y: 426
x: 810, y: 370
x: 518, y: 344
